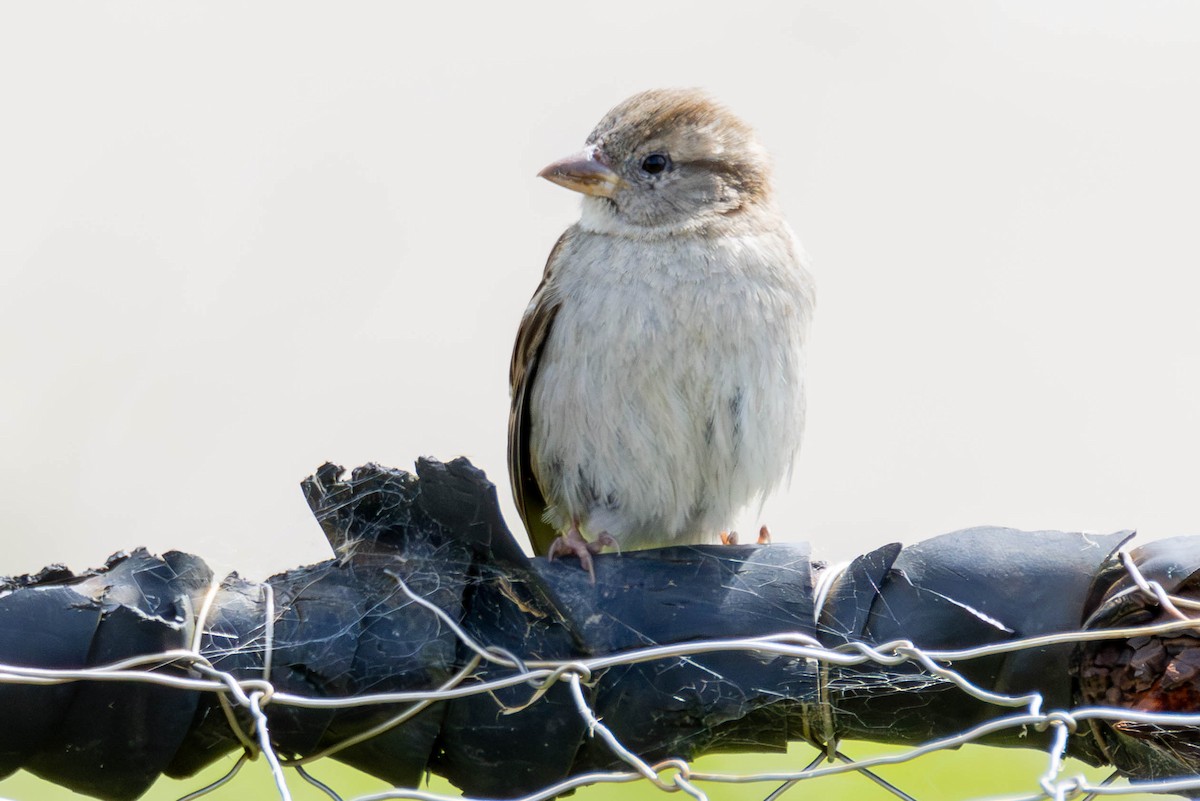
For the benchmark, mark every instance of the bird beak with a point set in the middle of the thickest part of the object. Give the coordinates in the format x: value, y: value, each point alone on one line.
x: 586, y: 172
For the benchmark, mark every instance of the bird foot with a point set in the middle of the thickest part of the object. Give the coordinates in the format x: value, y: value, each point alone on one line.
x: 572, y: 543
x: 731, y: 537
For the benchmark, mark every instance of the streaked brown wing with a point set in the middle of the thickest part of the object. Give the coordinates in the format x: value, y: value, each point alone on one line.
x: 531, y: 337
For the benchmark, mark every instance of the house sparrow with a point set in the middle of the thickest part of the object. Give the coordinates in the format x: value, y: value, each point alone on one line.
x: 658, y: 374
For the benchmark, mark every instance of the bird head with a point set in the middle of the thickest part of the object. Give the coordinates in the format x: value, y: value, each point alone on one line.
x: 666, y: 161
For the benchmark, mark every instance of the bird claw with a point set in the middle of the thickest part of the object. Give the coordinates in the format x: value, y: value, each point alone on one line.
x: 573, y: 544
x: 731, y: 537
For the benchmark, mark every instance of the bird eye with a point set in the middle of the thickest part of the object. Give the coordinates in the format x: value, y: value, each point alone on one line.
x: 655, y: 163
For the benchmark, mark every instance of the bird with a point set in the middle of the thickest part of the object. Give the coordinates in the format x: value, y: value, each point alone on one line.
x: 658, y: 375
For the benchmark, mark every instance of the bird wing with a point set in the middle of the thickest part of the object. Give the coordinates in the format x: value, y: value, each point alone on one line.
x: 531, y: 338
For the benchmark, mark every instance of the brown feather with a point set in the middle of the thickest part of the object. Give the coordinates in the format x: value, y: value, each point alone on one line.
x: 531, y: 336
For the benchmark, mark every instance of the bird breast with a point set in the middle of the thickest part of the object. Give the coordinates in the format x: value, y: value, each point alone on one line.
x: 670, y: 392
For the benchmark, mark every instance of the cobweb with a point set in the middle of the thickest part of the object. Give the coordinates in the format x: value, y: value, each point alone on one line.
x: 430, y: 598
x: 937, y: 669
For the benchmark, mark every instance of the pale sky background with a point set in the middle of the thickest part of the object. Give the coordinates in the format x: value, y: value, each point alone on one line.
x: 238, y: 240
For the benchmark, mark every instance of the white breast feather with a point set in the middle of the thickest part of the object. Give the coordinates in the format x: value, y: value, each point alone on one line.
x: 670, y: 394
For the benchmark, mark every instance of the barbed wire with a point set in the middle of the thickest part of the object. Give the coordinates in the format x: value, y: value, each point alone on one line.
x: 254, y: 695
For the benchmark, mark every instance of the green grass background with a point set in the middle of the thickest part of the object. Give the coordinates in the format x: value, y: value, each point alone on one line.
x: 969, y: 773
